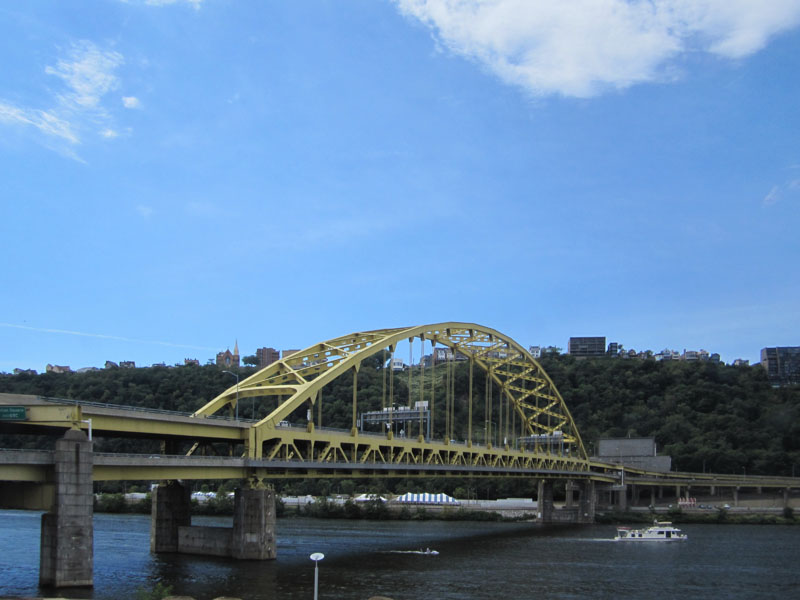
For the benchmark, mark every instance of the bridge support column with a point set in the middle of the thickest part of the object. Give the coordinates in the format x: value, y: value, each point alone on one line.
x: 622, y: 497
x: 571, y: 488
x: 545, y: 500
x: 587, y: 502
x: 785, y: 497
x: 170, y: 512
x: 254, y: 524
x: 66, y: 556
x: 652, y: 496
x: 736, y: 496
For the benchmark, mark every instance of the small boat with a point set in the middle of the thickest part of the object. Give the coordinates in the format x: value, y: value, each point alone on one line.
x: 661, y: 531
x: 427, y: 551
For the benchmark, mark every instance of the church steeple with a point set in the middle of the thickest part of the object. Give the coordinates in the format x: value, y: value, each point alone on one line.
x: 236, y: 348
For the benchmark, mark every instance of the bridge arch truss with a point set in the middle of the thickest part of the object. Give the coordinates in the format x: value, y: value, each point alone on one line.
x: 544, y: 438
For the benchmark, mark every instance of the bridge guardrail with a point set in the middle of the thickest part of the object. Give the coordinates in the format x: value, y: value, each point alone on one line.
x: 142, y: 409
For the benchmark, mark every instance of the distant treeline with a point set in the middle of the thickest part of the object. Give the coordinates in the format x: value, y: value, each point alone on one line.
x: 707, y: 416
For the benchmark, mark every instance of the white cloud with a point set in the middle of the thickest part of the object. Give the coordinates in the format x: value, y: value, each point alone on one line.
x: 581, y: 47
x: 44, y: 121
x: 131, y: 102
x: 88, y: 75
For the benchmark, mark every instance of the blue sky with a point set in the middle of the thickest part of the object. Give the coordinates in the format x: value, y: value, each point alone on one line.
x: 177, y: 176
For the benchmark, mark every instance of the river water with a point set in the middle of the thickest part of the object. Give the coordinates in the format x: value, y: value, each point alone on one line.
x: 476, y: 560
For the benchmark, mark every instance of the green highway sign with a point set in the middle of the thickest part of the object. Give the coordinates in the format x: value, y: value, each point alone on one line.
x: 12, y: 413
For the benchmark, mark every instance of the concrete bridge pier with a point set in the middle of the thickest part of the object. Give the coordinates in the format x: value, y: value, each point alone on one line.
x: 544, y: 498
x: 252, y: 536
x: 622, y: 496
x: 570, y: 489
x: 66, y: 555
x: 254, y: 524
x: 170, y: 511
x: 587, y: 502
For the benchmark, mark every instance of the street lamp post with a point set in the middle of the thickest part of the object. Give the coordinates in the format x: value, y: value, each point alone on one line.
x: 237, y: 391
x: 316, y: 557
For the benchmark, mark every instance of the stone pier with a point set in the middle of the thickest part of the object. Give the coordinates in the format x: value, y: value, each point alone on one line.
x: 66, y: 555
x: 544, y: 498
x: 170, y: 511
x: 252, y: 536
x: 587, y: 502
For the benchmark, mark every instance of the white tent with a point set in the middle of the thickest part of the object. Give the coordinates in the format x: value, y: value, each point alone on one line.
x: 368, y: 497
x: 437, y: 499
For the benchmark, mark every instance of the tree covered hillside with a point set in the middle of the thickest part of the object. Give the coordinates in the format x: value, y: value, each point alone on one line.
x: 705, y: 415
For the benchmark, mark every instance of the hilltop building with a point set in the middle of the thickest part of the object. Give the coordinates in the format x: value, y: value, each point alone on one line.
x: 587, y: 346
x: 229, y: 359
x: 782, y: 365
x: 267, y: 356
x: 57, y: 369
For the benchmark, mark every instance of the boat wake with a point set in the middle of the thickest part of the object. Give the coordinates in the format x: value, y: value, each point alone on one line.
x: 426, y: 552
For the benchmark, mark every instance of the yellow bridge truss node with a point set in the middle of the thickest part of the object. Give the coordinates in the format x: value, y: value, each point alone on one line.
x: 532, y: 400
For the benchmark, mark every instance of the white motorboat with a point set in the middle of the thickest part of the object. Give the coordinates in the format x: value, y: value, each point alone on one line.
x: 661, y: 531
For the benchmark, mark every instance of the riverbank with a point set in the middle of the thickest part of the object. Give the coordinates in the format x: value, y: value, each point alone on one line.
x: 709, y: 517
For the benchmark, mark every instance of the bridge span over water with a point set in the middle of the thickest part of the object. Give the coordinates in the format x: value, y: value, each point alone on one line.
x: 525, y: 430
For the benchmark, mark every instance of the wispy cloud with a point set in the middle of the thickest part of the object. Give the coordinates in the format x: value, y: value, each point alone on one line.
x: 778, y: 192
x: 46, y: 122
x: 144, y: 211
x: 772, y: 197
x: 87, y: 74
x: 193, y: 3
x: 102, y: 336
x: 131, y: 102
x: 583, y: 47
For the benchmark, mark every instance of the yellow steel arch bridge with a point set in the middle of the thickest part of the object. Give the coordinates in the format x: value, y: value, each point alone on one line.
x: 529, y: 430
x: 529, y: 417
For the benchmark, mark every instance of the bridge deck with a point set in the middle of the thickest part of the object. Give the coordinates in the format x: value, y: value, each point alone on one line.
x: 302, y: 452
